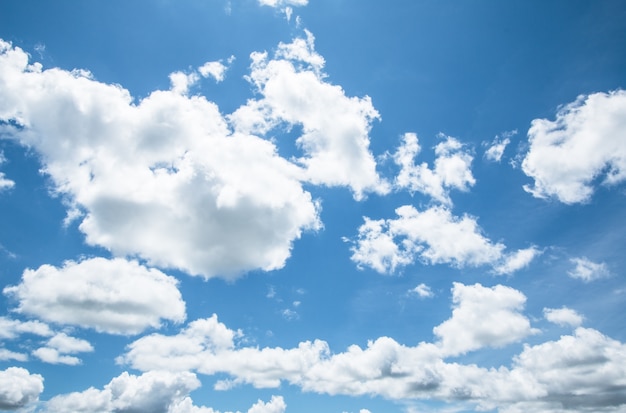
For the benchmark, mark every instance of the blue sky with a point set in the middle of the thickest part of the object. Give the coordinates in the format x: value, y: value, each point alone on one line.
x: 341, y: 206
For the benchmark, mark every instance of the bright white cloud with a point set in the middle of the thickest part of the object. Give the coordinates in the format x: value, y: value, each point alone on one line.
x: 19, y: 388
x: 563, y: 316
x: 423, y: 291
x: 496, y: 149
x: 452, y: 168
x: 155, y: 392
x: 164, y: 178
x: 6, y: 355
x: 434, y: 236
x: 584, y: 146
x: 216, y: 70
x: 58, y: 349
x: 5, y: 183
x: 483, y: 317
x: 10, y: 329
x: 282, y: 3
x: 335, y: 138
x: 115, y: 296
x: 587, y: 270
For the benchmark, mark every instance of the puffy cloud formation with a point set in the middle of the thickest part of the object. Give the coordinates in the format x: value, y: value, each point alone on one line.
x: 483, y: 317
x: 58, y: 349
x: 19, y: 388
x: 576, y: 372
x: 165, y: 178
x: 115, y: 296
x: 155, y: 392
x: 423, y: 291
x: 10, y: 329
x: 451, y: 169
x: 583, y: 146
x: 335, y: 127
x: 587, y: 270
x: 563, y: 316
x: 434, y: 236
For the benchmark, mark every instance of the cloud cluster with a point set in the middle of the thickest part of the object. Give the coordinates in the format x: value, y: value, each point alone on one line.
x: 583, y: 146
x: 114, y: 296
x: 18, y: 388
x: 59, y: 348
x: 434, y: 236
x: 335, y: 127
x: 451, y: 169
x: 155, y: 392
x: 163, y: 178
x: 553, y: 376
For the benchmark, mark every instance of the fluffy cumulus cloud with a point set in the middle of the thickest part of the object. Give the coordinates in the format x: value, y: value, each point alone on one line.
x: 579, y: 372
x: 155, y: 392
x: 587, y: 270
x: 451, y: 169
x: 165, y: 178
x: 483, y: 317
x: 19, y: 388
x: 335, y: 127
x: 563, y: 316
x: 422, y: 291
x: 115, y: 296
x: 434, y: 236
x: 59, y: 348
x: 11, y: 329
x: 583, y: 146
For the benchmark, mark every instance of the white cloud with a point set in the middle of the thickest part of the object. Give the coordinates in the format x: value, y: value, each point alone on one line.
x: 483, y: 317
x: 583, y: 371
x: 154, y: 392
x: 275, y: 405
x: 5, y: 183
x: 282, y: 3
x: 498, y: 145
x: 335, y: 138
x: 10, y: 329
x: 452, y: 168
x: 434, y: 236
x: 587, y: 270
x: 583, y: 146
x: 19, y: 388
x: 6, y: 355
x: 563, y: 316
x: 114, y: 296
x: 423, y: 291
x: 216, y: 70
x: 516, y: 261
x: 164, y: 178
x: 58, y: 348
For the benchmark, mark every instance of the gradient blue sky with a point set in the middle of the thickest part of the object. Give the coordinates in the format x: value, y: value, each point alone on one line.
x: 342, y: 206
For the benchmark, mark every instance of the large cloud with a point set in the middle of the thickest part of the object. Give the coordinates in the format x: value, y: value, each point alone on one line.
x: 335, y: 127
x: 434, y: 236
x: 585, y: 145
x: 115, y: 296
x: 576, y: 372
x: 18, y: 388
x: 163, y: 178
x: 154, y: 392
